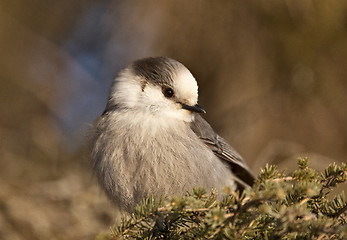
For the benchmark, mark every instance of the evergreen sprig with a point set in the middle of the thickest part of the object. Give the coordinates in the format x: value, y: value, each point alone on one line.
x: 277, y: 206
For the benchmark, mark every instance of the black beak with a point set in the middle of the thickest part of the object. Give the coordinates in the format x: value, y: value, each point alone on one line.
x: 195, y: 108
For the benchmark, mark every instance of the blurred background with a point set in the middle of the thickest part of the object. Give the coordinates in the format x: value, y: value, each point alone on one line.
x: 272, y: 77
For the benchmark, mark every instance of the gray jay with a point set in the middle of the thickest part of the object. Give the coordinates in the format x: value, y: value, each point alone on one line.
x: 151, y: 138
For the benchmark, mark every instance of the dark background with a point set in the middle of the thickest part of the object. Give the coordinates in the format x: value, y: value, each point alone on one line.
x: 272, y: 77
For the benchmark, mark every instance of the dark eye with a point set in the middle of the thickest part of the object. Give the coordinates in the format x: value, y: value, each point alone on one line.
x: 168, y: 92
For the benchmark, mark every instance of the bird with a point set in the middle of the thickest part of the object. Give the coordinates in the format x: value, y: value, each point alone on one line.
x: 152, y: 140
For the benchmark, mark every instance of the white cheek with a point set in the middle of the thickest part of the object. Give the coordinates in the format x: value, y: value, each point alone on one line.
x: 181, y: 114
x: 154, y: 100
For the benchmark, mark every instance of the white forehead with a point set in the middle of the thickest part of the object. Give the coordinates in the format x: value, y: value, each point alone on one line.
x: 186, y: 86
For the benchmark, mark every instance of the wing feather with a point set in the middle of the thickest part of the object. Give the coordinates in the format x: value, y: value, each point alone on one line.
x: 222, y: 150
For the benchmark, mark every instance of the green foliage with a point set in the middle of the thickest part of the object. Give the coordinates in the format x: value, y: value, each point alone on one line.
x: 277, y: 206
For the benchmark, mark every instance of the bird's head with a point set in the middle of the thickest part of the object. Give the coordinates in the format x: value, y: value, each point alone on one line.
x: 159, y: 85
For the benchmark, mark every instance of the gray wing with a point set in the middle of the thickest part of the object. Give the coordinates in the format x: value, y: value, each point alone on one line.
x: 222, y: 150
